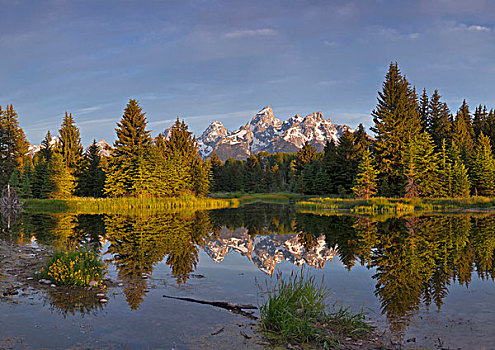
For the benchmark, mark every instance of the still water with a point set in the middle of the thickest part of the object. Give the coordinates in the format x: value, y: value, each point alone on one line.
x: 426, y: 280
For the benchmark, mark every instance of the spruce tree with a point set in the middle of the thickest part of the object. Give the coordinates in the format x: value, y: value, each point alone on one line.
x: 193, y: 173
x: 305, y: 156
x: 424, y: 110
x: 346, y: 162
x: 70, y: 143
x: 483, y: 168
x: 15, y: 180
x: 13, y: 144
x: 125, y: 174
x: 463, y: 133
x: 439, y: 125
x: 46, y: 149
x: 480, y: 121
x: 60, y: 183
x: 91, y: 178
x: 396, y: 120
x: 423, y: 166
x: 40, y: 175
x: 216, y: 170
x: 25, y: 187
x: 365, y: 184
x: 330, y: 166
x: 460, y: 180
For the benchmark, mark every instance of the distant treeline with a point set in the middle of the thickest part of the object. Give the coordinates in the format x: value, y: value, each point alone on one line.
x: 419, y: 149
x: 138, y: 166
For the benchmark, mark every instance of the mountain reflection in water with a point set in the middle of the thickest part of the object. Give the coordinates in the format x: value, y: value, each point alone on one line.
x: 415, y: 259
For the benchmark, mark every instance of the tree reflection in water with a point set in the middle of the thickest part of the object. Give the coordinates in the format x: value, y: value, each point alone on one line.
x: 415, y: 259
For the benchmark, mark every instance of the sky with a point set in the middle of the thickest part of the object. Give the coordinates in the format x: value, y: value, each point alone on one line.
x: 212, y: 60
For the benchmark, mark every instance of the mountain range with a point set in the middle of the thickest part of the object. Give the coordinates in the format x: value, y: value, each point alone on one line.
x: 266, y: 133
x: 263, y: 133
x: 267, y: 251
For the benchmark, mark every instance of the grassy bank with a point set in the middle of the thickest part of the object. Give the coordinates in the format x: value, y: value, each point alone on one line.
x: 126, y: 205
x: 250, y: 198
x: 381, y: 205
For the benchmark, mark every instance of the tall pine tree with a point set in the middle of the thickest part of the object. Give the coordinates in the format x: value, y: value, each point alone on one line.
x: 70, y: 146
x: 13, y: 144
x: 396, y: 121
x: 126, y: 174
x: 483, y: 168
x: 365, y: 184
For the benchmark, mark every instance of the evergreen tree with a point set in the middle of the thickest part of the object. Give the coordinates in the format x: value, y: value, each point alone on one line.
x: 483, y: 168
x: 423, y: 166
x: 70, y: 143
x: 463, y: 133
x: 346, y: 162
x: 91, y: 178
x: 25, y: 185
x: 253, y: 174
x: 46, y: 149
x: 439, y: 125
x: 15, y: 180
x: 445, y: 172
x: 396, y: 121
x: 59, y: 183
x: 305, y: 156
x: 424, y: 110
x: 365, y: 184
x: 329, y: 165
x: 460, y: 180
x: 216, y: 170
x: 126, y: 174
x: 361, y: 141
x: 13, y: 144
x: 182, y: 149
x: 40, y: 175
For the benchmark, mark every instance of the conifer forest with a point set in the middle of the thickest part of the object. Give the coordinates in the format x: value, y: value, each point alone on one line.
x: 417, y: 147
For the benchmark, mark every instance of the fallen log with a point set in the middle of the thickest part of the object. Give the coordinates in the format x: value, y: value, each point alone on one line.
x: 233, y: 307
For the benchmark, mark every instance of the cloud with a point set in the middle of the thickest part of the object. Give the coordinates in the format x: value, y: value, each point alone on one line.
x: 250, y: 32
x: 83, y: 111
x: 390, y: 33
x: 471, y: 28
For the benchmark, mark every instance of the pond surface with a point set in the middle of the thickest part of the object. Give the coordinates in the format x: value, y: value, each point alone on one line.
x: 427, y: 280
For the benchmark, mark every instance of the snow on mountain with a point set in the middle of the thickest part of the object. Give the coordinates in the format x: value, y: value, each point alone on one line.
x: 33, y: 149
x: 268, y: 251
x: 264, y: 132
x: 104, y: 147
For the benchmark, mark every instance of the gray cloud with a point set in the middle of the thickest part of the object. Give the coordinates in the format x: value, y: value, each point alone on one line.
x: 250, y: 32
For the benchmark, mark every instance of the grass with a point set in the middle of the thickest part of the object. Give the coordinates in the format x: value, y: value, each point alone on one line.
x: 296, y: 310
x: 74, y: 268
x: 382, y: 205
x: 250, y: 198
x: 125, y: 205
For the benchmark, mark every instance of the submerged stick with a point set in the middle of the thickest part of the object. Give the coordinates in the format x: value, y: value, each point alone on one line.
x: 236, y: 308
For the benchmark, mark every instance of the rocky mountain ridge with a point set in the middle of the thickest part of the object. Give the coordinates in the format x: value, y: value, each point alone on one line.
x: 264, y: 132
x: 267, y: 251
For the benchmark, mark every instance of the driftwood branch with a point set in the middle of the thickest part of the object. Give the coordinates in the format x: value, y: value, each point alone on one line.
x: 233, y: 307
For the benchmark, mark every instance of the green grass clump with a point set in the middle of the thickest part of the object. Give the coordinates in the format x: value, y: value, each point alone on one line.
x: 74, y: 268
x: 126, y: 204
x: 296, y: 310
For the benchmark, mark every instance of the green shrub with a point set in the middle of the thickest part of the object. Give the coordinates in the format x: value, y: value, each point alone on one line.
x: 74, y: 268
